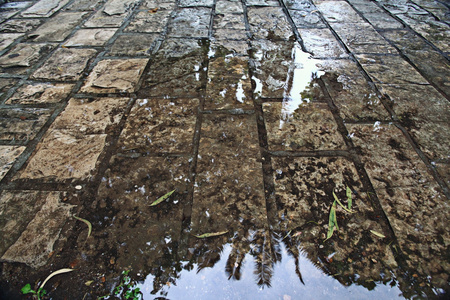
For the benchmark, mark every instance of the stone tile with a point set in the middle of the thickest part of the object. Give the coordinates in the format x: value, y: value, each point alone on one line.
x: 307, y: 18
x: 160, y: 4
x: 23, y: 56
x: 229, y: 34
x: 301, y: 127
x: 44, y: 8
x: 8, y: 155
x: 389, y: 159
x: 35, y: 243
x: 22, y: 124
x: 433, y: 138
x: 133, y: 45
x: 436, y: 8
x: 160, y: 126
x: 390, y: 70
x: 178, y: 48
x: 65, y: 64
x: 90, y: 37
x: 234, y: 48
x: 381, y: 20
x: 269, y: 23
x: 16, y: 5
x: 36, y: 93
x: 351, y: 93
x: 83, y: 5
x: 63, y: 154
x: 339, y: 12
x: 195, y: 3
x: 229, y: 189
x: 366, y: 6
x: 443, y: 170
x: 226, y: 7
x: 322, y: 43
x: 114, y: 76
x: 362, y: 38
x: 57, y: 28
x: 20, y: 25
x: 435, y: 32
x: 4, y: 15
x: 113, y: 14
x: 190, y: 22
x: 91, y: 116
x: 7, y: 39
x: 262, y: 3
x: 229, y: 84
x: 6, y: 84
x: 229, y: 21
x: 145, y: 21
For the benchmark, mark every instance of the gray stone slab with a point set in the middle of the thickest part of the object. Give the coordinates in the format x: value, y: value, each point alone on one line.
x: 338, y: 12
x: 262, y: 3
x: 15, y: 4
x: 8, y: 155
x: 322, y: 43
x: 38, y: 93
x: 195, y: 3
x: 114, y: 76
x: 160, y: 126
x: 91, y: 37
x: 437, y: 33
x: 146, y: 21
x: 65, y: 64
x: 133, y: 45
x: 382, y: 20
x: 229, y: 21
x: 58, y: 28
x: 159, y: 4
x: 113, y: 14
x: 178, y: 48
x: 307, y: 18
x: 20, y: 25
x: 6, y: 84
x: 269, y: 22
x: 190, y: 22
x: 230, y: 47
x: 24, y: 56
x: 7, y: 39
x: 83, y: 5
x: 226, y: 6
x: 22, y: 124
x: 35, y: 243
x: 44, y: 8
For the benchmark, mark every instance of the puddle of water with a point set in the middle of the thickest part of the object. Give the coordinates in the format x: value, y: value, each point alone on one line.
x: 214, y: 282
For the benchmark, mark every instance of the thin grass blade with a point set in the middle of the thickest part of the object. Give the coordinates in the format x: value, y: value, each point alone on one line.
x: 89, y: 225
x: 342, y: 205
x: 162, y: 198
x: 60, y: 271
x: 349, y: 198
x: 377, y: 234
x: 210, y: 234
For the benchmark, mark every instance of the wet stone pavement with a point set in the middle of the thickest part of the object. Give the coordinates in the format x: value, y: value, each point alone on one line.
x: 254, y: 112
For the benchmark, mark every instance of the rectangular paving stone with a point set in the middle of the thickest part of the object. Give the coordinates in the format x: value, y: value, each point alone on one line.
x: 269, y: 22
x: 390, y: 69
x: 4, y: 15
x: 235, y: 48
x: 366, y: 6
x: 322, y: 43
x: 35, y: 243
x: 58, y: 28
x: 229, y: 188
x: 227, y: 6
x: 65, y: 64
x: 229, y: 84
x: 64, y: 154
x: 435, y: 32
x: 362, y: 38
x: 6, y: 84
x: 20, y: 25
x: 37, y: 92
x: 160, y: 126
x: 8, y: 155
x: 22, y: 124
x: 91, y: 116
x: 230, y: 34
x: 83, y: 5
x: 262, y: 3
x: 23, y: 56
x: 114, y: 76
x: 307, y: 18
x: 190, y: 22
x: 91, y: 37
x: 307, y: 127
x: 44, y: 8
x: 194, y: 3
x: 160, y: 4
x: 382, y: 20
x: 113, y: 14
x: 7, y: 39
x: 338, y: 12
x: 133, y: 45
x: 146, y: 21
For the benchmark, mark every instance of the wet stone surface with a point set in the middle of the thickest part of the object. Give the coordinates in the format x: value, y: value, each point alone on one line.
x: 57, y: 28
x: 22, y: 56
x: 90, y: 37
x: 133, y: 45
x: 35, y: 93
x: 17, y: 25
x: 269, y: 23
x: 190, y: 22
x: 8, y: 156
x: 22, y: 123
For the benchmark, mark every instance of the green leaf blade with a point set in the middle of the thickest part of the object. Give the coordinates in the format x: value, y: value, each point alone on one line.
x: 27, y: 289
x: 342, y: 205
x: 380, y: 235
x: 349, y: 198
x: 210, y: 234
x: 332, y: 221
x: 162, y: 198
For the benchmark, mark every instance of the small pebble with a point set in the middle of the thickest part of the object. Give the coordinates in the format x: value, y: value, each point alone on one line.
x: 78, y: 187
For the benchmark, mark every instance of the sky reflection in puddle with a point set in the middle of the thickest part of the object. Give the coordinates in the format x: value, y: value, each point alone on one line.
x: 213, y: 283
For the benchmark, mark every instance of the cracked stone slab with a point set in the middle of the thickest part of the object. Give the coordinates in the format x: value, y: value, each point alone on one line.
x: 322, y: 43
x: 57, y: 28
x: 83, y: 5
x: 235, y: 48
x: 382, y: 20
x: 229, y: 21
x: 64, y: 154
x: 190, y: 22
x: 226, y: 6
x: 437, y: 33
x: 390, y: 69
x: 269, y: 23
x: 6, y: 84
x: 35, y: 93
x: 91, y: 37
x: 307, y: 18
x: 160, y: 4
x: 35, y: 243
x: 8, y: 155
x: 115, y: 75
x: 145, y: 21
x: 133, y: 45
x: 229, y: 185
x: 160, y: 126
x: 307, y: 127
x: 229, y: 84
x: 338, y: 12
x: 22, y: 123
x: 20, y: 25
x: 22, y: 56
x: 195, y: 3
x: 262, y: 3
x: 229, y: 34
x: 363, y: 38
x: 7, y: 39
x: 113, y: 14
x: 65, y: 64
x: 178, y: 48
x: 91, y: 116
x: 44, y: 8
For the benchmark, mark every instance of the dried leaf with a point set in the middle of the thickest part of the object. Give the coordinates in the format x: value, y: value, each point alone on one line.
x: 332, y: 221
x: 162, y: 198
x: 60, y: 271
x: 89, y: 282
x: 154, y: 10
x: 210, y: 234
x: 377, y: 234
x: 89, y: 225
x: 349, y: 198
x: 337, y: 199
